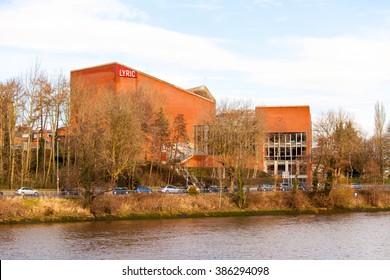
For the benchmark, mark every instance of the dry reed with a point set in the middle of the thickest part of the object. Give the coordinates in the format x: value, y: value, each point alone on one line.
x: 19, y: 209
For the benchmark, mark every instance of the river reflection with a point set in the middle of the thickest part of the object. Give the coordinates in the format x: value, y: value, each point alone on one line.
x: 342, y: 236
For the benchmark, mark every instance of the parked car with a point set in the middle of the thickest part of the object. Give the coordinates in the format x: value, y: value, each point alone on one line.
x: 357, y: 186
x: 64, y: 191
x: 120, y: 190
x: 170, y: 189
x: 213, y: 188
x: 26, y: 191
x: 70, y: 192
x: 302, y: 187
x: 249, y: 189
x: 265, y: 188
x: 140, y: 189
x: 285, y: 187
x: 1, y: 193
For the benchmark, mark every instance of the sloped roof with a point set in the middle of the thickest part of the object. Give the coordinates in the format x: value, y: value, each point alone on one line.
x: 202, y: 91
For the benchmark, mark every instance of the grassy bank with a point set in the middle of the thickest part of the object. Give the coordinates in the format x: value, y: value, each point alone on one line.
x: 157, y: 205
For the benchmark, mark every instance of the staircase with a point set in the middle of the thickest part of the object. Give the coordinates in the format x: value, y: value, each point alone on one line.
x: 183, y: 171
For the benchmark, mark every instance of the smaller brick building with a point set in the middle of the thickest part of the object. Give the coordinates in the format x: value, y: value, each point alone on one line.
x: 287, y: 146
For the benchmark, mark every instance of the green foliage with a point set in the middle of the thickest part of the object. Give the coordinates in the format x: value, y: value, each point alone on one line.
x: 192, y: 190
x: 30, y: 202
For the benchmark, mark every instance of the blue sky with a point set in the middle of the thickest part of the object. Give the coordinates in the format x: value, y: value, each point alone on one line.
x: 324, y: 53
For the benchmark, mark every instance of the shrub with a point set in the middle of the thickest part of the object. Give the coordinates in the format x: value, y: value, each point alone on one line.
x: 300, y: 201
x: 192, y: 190
x: 320, y: 199
x: 103, y: 206
x: 343, y: 198
x: 376, y: 197
x: 49, y: 211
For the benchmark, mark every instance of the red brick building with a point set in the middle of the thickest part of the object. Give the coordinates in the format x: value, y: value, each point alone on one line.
x: 287, y: 148
x: 196, y: 104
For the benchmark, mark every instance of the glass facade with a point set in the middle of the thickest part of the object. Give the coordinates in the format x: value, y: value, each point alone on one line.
x: 286, y: 152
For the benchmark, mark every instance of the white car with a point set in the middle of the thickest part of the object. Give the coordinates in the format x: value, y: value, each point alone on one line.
x: 170, y: 189
x: 27, y: 191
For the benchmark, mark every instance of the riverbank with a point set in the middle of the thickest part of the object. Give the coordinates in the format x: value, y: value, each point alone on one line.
x: 158, y: 206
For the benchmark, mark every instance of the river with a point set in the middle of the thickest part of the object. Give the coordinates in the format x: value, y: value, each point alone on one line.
x: 354, y: 236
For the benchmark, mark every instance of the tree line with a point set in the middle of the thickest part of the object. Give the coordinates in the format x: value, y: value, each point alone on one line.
x: 99, y: 143
x: 342, y: 152
x: 47, y: 133
x: 32, y: 108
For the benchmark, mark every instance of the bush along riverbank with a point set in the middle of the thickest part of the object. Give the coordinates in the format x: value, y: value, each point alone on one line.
x: 158, y: 205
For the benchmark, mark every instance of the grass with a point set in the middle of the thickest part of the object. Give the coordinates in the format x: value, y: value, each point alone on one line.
x: 157, y: 205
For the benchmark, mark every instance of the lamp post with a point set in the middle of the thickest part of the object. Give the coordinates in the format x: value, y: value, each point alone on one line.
x: 187, y: 170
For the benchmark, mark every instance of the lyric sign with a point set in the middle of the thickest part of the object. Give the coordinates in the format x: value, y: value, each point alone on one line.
x: 125, y: 72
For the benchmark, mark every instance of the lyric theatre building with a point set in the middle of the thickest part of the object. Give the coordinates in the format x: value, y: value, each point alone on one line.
x: 287, y: 146
x: 197, y: 104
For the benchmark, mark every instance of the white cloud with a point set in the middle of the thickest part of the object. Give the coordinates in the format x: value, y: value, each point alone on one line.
x: 321, y: 70
x: 339, y: 64
x: 63, y: 27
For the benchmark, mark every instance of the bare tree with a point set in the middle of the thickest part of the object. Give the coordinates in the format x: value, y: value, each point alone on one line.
x: 108, y: 136
x: 386, y: 154
x: 179, y: 144
x: 380, y: 119
x: 36, y: 98
x: 56, y: 111
x: 160, y: 138
x: 122, y: 135
x: 9, y: 102
x: 232, y: 139
x: 338, y: 142
x: 87, y: 128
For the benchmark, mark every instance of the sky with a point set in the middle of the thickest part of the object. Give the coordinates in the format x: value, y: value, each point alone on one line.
x: 328, y: 54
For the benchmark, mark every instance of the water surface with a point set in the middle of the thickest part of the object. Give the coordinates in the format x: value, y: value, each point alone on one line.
x: 342, y: 236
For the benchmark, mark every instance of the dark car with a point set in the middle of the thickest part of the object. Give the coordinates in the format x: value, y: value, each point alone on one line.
x: 120, y: 190
x: 140, y: 189
x: 302, y: 187
x: 70, y: 192
x: 1, y: 193
x: 285, y: 187
x: 64, y: 192
x: 212, y: 188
